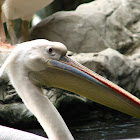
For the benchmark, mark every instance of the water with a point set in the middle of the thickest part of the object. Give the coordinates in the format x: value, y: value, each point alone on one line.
x: 109, y: 131
x: 104, y: 130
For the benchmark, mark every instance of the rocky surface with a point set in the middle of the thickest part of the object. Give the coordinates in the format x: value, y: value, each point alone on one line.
x: 94, y: 27
x: 16, y: 115
x: 93, y: 33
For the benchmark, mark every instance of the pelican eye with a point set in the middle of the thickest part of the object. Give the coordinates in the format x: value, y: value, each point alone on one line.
x: 50, y: 50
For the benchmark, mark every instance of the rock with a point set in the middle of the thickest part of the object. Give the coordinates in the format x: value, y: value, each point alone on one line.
x: 16, y: 114
x: 94, y: 26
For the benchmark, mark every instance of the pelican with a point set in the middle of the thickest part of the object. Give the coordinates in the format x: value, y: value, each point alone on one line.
x: 14, y: 9
x: 42, y: 62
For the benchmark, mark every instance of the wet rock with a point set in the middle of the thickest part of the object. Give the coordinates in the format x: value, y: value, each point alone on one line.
x: 94, y: 26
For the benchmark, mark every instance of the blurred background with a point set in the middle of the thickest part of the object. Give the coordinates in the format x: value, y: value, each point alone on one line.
x: 55, y: 6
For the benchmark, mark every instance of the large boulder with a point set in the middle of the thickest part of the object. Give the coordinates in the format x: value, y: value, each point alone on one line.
x: 94, y: 27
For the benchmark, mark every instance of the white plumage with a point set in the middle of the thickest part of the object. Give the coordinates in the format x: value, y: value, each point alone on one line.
x: 14, y: 9
x: 27, y: 57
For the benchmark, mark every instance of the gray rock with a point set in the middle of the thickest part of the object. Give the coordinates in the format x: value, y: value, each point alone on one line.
x: 94, y: 27
x: 16, y: 114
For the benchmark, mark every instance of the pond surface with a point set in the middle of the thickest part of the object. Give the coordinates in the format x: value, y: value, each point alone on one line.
x: 104, y: 130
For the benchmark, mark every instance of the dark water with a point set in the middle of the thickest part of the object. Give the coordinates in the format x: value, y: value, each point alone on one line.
x: 104, y: 130
x: 109, y: 130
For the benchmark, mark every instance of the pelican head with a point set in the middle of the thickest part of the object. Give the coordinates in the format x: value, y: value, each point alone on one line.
x: 46, y: 63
